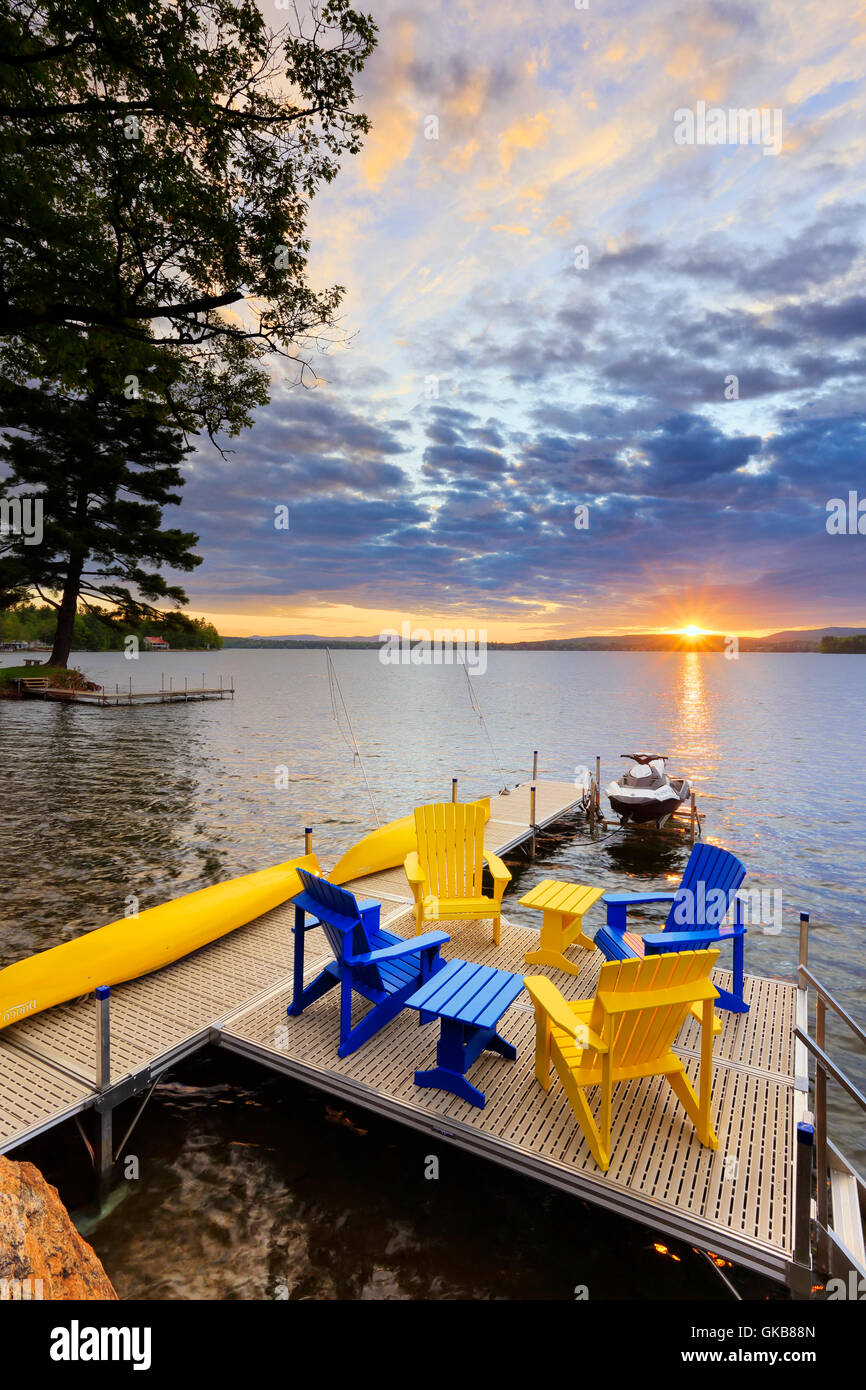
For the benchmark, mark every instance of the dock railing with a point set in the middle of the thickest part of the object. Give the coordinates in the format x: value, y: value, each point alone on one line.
x: 840, y: 1191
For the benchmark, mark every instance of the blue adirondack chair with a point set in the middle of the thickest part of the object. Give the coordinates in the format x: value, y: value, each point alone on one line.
x: 695, y: 921
x: 383, y: 968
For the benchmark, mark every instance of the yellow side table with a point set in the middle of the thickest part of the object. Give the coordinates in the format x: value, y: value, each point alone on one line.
x: 562, y: 906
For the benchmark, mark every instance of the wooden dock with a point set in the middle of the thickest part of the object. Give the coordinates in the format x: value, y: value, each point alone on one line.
x: 737, y: 1202
x: 34, y: 688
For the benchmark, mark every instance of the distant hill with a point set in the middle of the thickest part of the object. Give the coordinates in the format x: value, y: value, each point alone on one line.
x: 307, y: 642
x: 813, y: 634
x: 807, y: 640
x: 314, y: 637
x: 792, y: 640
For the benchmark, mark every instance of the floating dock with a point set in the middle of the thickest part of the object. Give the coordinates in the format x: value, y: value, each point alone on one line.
x: 740, y: 1202
x: 48, y: 1063
x: 39, y: 688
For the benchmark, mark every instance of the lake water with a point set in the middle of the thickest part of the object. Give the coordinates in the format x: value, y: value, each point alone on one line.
x: 255, y: 1184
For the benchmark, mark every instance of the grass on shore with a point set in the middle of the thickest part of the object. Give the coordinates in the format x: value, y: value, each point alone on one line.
x: 66, y: 676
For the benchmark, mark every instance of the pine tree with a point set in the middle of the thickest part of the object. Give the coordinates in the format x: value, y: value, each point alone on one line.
x: 101, y: 468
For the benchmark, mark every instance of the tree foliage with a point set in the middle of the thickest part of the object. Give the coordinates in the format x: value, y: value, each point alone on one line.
x: 157, y: 161
x: 100, y: 632
x: 101, y: 468
x: 854, y: 643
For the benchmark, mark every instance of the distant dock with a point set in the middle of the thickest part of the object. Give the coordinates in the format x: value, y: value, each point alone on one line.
x: 40, y: 688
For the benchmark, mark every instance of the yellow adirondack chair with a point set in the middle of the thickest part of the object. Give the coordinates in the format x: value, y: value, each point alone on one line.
x: 445, y: 872
x: 626, y: 1032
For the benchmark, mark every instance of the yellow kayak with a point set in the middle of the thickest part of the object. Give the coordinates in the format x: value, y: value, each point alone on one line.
x: 137, y: 945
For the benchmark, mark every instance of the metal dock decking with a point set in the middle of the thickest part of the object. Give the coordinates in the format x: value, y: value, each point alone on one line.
x: 737, y: 1202
x: 48, y: 1062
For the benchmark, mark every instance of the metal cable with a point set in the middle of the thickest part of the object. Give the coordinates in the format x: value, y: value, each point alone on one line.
x: 335, y: 690
x: 474, y: 702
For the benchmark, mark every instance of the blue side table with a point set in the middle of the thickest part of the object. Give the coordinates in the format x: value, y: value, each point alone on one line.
x: 469, y: 1000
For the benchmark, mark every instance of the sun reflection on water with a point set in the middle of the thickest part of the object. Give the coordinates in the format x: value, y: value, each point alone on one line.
x: 694, y: 721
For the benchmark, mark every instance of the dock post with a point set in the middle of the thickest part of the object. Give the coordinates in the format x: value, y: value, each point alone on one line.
x: 103, y: 1149
x: 821, y: 1157
x: 535, y: 764
x: 454, y: 790
x: 811, y: 1143
x: 801, y: 1280
x: 598, y: 785
x: 804, y: 948
x: 532, y: 817
x: 308, y: 839
x: 692, y: 820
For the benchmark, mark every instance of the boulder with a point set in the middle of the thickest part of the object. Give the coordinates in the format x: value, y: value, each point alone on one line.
x: 41, y: 1253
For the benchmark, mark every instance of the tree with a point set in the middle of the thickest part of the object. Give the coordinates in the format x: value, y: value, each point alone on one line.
x: 156, y: 166
x: 855, y: 642
x: 102, y: 467
x: 157, y: 161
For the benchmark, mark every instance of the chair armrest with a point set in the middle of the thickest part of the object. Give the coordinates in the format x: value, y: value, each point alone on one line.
x: 414, y: 872
x: 429, y: 941
x: 370, y: 910
x: 689, y: 940
x: 309, y: 923
x: 628, y: 898
x: 683, y: 940
x: 496, y: 866
x: 547, y: 998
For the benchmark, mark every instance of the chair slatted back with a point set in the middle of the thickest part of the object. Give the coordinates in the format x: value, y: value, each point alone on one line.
x: 450, y: 838
x: 645, y: 1034
x: 340, y: 916
x: 711, y: 878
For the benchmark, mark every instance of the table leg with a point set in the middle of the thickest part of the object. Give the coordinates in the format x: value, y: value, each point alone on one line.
x: 446, y: 1080
x: 498, y: 1044
x: 554, y: 928
x: 459, y: 1045
x: 579, y: 938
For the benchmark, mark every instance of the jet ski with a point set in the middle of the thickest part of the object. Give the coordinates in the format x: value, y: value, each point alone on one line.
x: 645, y: 792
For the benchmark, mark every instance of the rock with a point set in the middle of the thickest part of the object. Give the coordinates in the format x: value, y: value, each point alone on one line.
x: 39, y: 1242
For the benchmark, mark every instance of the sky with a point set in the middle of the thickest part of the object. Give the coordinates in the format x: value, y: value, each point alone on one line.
x: 553, y: 302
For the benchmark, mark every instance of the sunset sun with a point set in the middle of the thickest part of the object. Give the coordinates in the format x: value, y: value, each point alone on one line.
x: 693, y: 631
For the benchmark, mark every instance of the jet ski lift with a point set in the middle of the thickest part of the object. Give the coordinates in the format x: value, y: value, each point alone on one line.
x: 646, y: 795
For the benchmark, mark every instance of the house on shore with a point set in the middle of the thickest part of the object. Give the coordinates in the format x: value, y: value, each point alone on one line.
x: 156, y: 644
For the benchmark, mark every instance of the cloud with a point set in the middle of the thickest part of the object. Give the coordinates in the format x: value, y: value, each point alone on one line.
x: 525, y: 134
x: 395, y: 116
x: 560, y: 385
